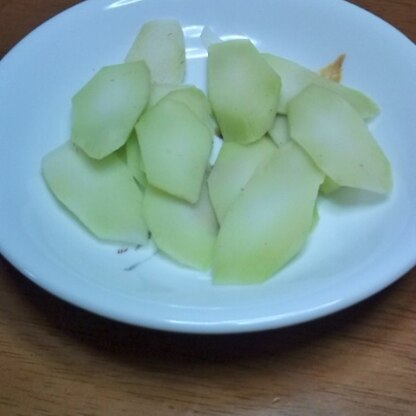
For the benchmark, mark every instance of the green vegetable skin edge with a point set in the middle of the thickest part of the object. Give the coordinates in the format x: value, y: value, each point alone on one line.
x: 243, y: 90
x: 269, y: 222
x: 101, y: 193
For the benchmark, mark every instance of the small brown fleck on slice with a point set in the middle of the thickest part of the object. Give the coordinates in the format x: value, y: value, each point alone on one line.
x: 333, y: 71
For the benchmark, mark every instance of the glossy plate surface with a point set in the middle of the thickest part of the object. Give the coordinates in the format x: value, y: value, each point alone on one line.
x: 362, y: 243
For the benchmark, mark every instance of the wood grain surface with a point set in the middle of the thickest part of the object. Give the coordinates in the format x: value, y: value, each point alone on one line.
x: 58, y: 360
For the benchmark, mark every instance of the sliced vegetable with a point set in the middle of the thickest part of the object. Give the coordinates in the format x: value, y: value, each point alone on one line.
x: 197, y: 102
x: 134, y: 160
x: 159, y: 91
x: 175, y: 147
x: 234, y: 167
x: 243, y: 90
x: 338, y: 140
x: 100, y: 193
x: 106, y: 109
x: 280, y: 130
x: 269, y: 222
x: 296, y: 77
x: 161, y: 44
x: 186, y: 232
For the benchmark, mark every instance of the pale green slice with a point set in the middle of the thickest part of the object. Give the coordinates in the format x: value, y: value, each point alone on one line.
x: 268, y: 223
x: 100, y: 193
x: 338, y: 140
x: 159, y: 91
x: 134, y: 160
x: 185, y: 232
x: 279, y: 132
x: 197, y: 102
x: 192, y: 97
x: 106, y: 109
x: 161, y: 44
x: 175, y: 147
x: 243, y: 90
x: 296, y: 77
x: 234, y: 167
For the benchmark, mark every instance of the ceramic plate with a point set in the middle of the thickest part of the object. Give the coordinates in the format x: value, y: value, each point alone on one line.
x: 362, y: 243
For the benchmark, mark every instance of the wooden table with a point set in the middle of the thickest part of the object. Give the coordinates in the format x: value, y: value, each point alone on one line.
x: 58, y: 360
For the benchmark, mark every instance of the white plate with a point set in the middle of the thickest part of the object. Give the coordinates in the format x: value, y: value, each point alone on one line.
x: 361, y: 244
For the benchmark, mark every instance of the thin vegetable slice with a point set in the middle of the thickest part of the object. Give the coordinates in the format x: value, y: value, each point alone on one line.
x: 296, y: 77
x: 270, y: 221
x: 243, y: 90
x: 106, y: 109
x: 338, y: 140
x: 161, y: 44
x: 280, y: 130
x: 175, y: 147
x: 234, y: 167
x: 197, y: 102
x: 100, y: 193
x: 186, y: 232
x: 134, y: 160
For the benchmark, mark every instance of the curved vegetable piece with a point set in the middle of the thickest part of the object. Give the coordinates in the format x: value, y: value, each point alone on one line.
x: 234, y: 167
x: 106, y: 109
x: 100, y: 193
x: 243, y: 90
x: 161, y: 44
x: 175, y: 147
x: 186, y: 232
x: 338, y: 140
x: 296, y: 77
x: 159, y: 91
x: 269, y: 222
x: 197, y: 102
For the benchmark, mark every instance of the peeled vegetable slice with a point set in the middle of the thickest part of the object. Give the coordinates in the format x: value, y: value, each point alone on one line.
x: 161, y: 44
x: 234, y: 167
x: 106, y: 109
x: 296, y: 77
x: 175, y: 147
x: 134, y: 160
x: 101, y: 193
x: 338, y: 140
x: 280, y: 130
x: 243, y: 90
x: 270, y: 221
x: 186, y: 232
